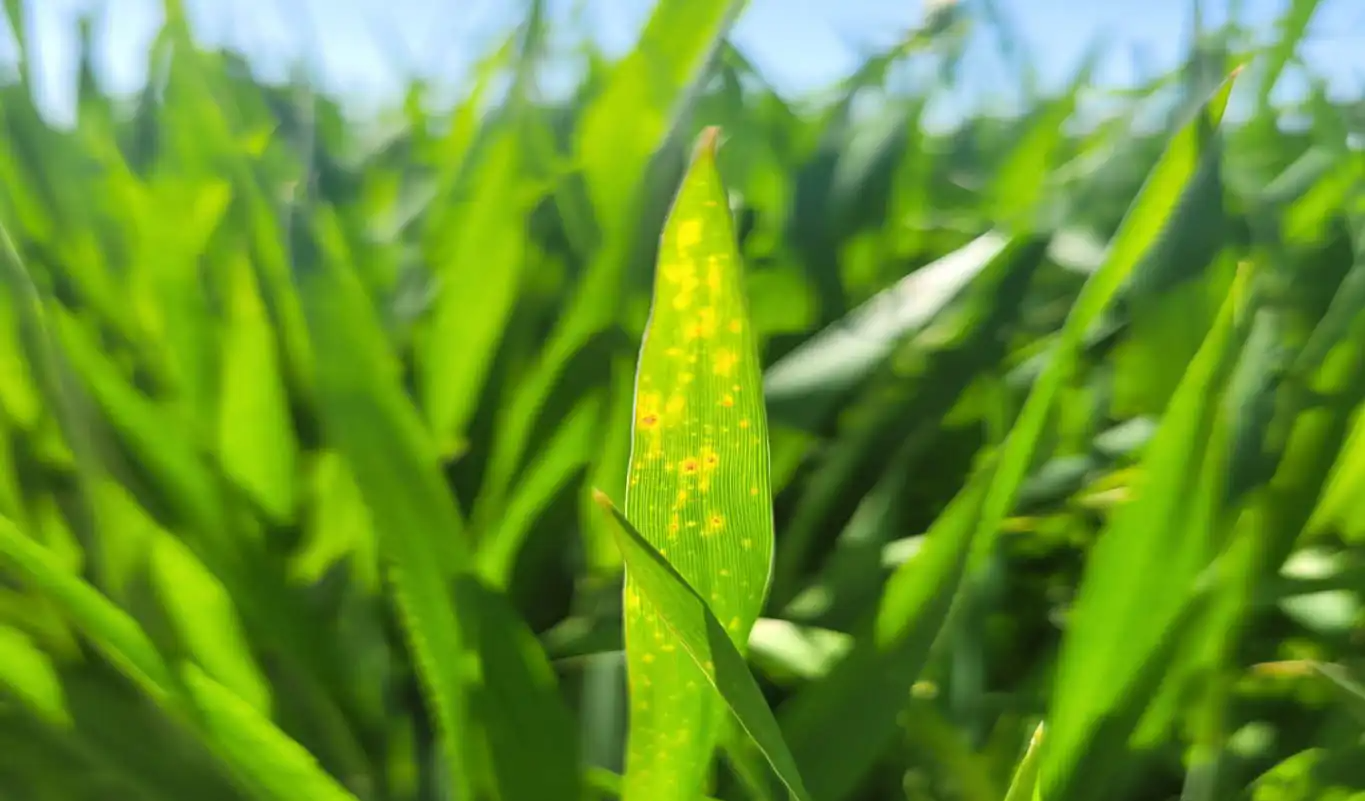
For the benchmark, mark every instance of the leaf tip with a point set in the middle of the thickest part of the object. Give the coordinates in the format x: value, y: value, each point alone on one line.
x: 708, y: 141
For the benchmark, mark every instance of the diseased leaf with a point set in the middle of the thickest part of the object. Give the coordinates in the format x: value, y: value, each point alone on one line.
x: 709, y: 646
x: 698, y: 481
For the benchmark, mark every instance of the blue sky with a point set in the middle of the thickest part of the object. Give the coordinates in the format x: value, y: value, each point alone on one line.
x: 799, y: 44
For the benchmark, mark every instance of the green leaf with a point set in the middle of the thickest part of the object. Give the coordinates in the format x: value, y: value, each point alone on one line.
x: 698, y: 479
x: 1148, y: 221
x: 379, y: 433
x: 256, y: 440
x: 529, y: 729
x: 275, y: 766
x: 109, y: 628
x: 206, y: 621
x: 27, y: 673
x: 478, y: 263
x: 1142, y: 573
x: 708, y: 645
x: 1024, y: 784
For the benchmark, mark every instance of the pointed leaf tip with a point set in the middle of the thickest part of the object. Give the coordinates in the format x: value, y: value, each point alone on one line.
x: 708, y: 141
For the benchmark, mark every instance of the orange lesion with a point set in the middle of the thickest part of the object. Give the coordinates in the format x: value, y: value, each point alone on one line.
x: 689, y: 466
x: 727, y: 400
x: 744, y: 423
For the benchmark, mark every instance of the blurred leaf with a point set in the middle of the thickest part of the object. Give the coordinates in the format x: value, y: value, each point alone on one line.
x: 255, y: 432
x: 109, y: 628
x: 204, y: 618
x: 1141, y: 575
x: 378, y: 432
x: 530, y: 732
x: 274, y: 765
x: 478, y: 263
x: 28, y: 673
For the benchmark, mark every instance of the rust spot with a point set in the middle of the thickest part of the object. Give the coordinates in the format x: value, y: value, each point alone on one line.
x: 688, y: 466
x: 649, y: 420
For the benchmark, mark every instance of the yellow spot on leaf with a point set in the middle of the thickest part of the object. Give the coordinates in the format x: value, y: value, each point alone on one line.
x: 728, y: 400
x: 689, y: 234
x: 744, y: 423
x: 689, y: 466
x: 736, y: 326
x: 725, y: 361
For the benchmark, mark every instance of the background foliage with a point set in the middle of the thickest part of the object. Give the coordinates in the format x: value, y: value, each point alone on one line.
x: 301, y: 417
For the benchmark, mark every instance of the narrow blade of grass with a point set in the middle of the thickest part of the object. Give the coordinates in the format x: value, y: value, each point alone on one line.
x: 396, y: 467
x: 275, y: 766
x: 1142, y: 573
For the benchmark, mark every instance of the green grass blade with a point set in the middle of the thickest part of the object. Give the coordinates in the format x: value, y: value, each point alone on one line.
x: 563, y: 455
x: 866, y: 690
x: 698, y: 479
x: 275, y: 766
x: 709, y: 645
x: 1147, y: 221
x: 203, y: 615
x: 256, y: 439
x: 109, y: 628
x: 1024, y: 784
x: 478, y: 261
x: 27, y: 673
x: 646, y: 88
x: 1142, y: 573
x: 529, y: 730
x: 379, y: 433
